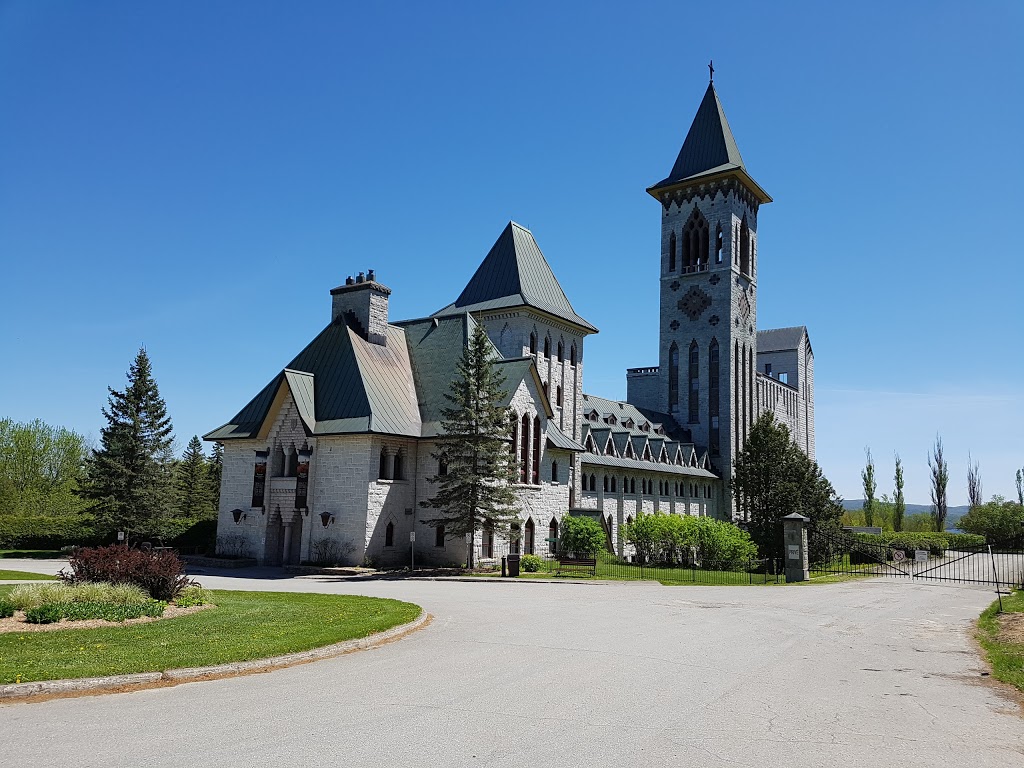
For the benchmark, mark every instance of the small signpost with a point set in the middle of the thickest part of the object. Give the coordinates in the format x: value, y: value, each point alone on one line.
x: 412, y: 550
x: 920, y: 555
x: 898, y: 555
x: 120, y: 535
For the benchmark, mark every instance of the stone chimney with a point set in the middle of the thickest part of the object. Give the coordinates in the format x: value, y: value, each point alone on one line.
x: 362, y: 304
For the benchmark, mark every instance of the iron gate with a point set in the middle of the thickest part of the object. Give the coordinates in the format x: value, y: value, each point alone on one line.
x: 839, y: 552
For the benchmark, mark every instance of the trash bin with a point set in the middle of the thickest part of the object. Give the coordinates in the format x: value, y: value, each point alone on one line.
x: 513, y: 565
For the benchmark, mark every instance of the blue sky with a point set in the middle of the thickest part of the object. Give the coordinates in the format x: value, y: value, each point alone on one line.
x: 195, y: 177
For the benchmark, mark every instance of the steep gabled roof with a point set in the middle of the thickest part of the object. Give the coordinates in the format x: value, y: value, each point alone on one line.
x: 781, y: 339
x: 513, y: 274
x: 709, y: 149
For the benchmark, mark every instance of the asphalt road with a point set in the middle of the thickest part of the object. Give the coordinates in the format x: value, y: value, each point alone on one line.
x: 526, y: 674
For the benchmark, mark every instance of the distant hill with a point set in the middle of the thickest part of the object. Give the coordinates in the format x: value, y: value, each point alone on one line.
x: 953, y: 514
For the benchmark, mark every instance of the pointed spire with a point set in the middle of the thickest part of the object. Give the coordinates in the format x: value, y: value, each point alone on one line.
x: 709, y: 147
x: 515, y: 273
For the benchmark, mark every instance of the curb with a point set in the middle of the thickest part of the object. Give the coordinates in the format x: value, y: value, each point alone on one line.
x: 86, y: 685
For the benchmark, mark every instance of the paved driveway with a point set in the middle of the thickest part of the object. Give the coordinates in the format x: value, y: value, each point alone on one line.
x: 580, y: 675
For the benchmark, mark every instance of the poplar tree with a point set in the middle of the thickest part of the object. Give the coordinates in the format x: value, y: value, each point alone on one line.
x: 475, y: 490
x: 940, y: 480
x: 130, y: 475
x: 899, y: 506
x: 974, y: 494
x: 867, y: 477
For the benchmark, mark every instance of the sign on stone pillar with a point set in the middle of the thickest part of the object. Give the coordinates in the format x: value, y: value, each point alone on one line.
x: 794, y: 531
x: 259, y: 478
x: 302, y: 479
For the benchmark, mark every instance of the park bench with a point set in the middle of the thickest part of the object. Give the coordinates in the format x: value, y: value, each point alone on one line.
x: 577, y: 564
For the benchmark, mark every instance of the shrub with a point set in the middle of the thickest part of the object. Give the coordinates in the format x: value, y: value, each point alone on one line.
x: 44, y: 531
x: 161, y: 574
x: 661, y: 538
x: 6, y: 609
x: 997, y: 521
x: 192, y: 596
x: 47, y: 613
x: 25, y: 596
x: 581, y: 536
x: 530, y: 563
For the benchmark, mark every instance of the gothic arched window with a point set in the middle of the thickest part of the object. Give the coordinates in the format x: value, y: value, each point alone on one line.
x: 695, y: 241
x: 382, y: 469
x: 533, y: 343
x: 560, y: 353
x: 719, y: 243
x: 572, y: 355
x: 744, y: 247
x: 547, y: 346
x: 554, y: 471
x: 536, y: 450
x: 672, y: 252
x: 713, y: 397
x: 389, y: 535
x: 558, y: 396
x: 694, y: 388
x: 524, y: 444
x: 673, y: 377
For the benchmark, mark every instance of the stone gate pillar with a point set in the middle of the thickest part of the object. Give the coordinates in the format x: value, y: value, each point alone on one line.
x: 794, y: 533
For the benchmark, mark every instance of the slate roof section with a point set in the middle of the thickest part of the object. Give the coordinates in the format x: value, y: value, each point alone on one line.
x: 513, y: 274
x: 709, y: 149
x: 558, y: 439
x: 589, y: 460
x: 781, y: 339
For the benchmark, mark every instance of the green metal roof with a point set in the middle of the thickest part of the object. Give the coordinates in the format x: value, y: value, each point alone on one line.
x: 590, y: 460
x: 708, y: 149
x: 558, y: 439
x: 513, y: 274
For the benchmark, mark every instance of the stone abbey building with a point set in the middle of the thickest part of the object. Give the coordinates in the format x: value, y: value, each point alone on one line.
x: 331, y: 459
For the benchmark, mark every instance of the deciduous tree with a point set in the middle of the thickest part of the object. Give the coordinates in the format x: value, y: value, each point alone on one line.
x: 899, y: 504
x: 940, y: 480
x: 867, y: 476
x: 974, y: 495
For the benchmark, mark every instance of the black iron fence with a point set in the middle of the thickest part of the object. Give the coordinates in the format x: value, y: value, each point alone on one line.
x: 841, y: 553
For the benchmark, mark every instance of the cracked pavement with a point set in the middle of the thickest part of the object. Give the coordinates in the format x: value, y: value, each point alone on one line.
x: 588, y: 675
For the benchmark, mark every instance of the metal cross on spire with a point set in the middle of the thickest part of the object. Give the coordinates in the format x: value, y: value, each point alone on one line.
x: 711, y: 69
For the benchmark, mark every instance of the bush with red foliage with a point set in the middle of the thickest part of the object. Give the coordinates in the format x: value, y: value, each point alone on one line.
x: 161, y: 574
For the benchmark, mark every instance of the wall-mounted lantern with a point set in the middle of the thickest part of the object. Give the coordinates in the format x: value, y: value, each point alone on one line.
x: 238, y: 515
x: 326, y: 518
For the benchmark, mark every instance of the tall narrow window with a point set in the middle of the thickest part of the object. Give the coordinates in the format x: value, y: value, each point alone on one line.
x: 389, y: 535
x: 695, y: 242
x: 606, y: 483
x: 487, y: 541
x: 515, y: 440
x: 528, y: 539
x: 558, y: 396
x: 673, y: 377
x: 536, y: 450
x: 694, y: 388
x: 533, y: 343
x: 613, y: 484
x: 553, y: 536
x: 547, y: 346
x: 593, y: 482
x: 713, y: 398
x: 572, y: 355
x: 524, y: 450
x: 439, y: 536
x: 398, y: 471
x: 554, y: 471
x: 442, y: 467
x: 719, y: 243
x: 672, y: 252
x: 744, y: 247
x: 560, y: 353
x: 737, y: 445
x: 382, y: 469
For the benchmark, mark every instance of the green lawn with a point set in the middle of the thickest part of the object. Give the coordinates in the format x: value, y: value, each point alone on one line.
x: 34, y: 554
x: 1006, y: 658
x: 243, y: 626
x: 23, y: 576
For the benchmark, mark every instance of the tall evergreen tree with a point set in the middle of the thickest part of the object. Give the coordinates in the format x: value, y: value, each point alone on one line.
x: 130, y: 476
x: 773, y: 478
x: 475, y: 488
x: 214, y: 471
x: 940, y: 480
x: 1020, y: 487
x: 867, y: 477
x: 899, y: 505
x: 193, y: 482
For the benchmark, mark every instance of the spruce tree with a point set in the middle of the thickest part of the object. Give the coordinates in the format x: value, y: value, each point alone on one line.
x: 214, y: 470
x: 130, y: 475
x: 476, y: 488
x: 193, y: 482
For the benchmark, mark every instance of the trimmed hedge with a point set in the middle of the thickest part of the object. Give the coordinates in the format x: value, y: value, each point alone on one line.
x: 43, y: 532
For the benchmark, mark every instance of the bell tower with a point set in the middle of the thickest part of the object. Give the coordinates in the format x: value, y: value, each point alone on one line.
x: 708, y: 291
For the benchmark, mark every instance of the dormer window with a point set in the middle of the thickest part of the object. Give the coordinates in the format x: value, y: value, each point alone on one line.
x: 645, y: 427
x: 628, y: 423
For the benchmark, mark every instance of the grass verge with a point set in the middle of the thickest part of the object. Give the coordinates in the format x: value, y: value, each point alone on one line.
x: 244, y: 626
x: 24, y: 576
x: 1001, y: 636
